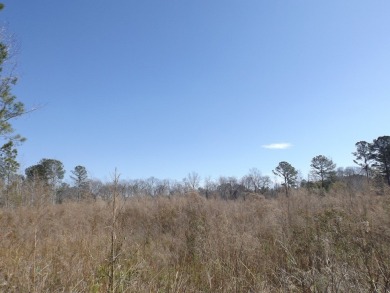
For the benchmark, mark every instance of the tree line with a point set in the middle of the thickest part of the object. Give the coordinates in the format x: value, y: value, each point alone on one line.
x: 44, y: 180
x: 372, y: 159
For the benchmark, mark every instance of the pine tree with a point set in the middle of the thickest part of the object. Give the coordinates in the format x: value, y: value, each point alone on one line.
x: 8, y: 164
x: 380, y: 153
x: 363, y: 156
x: 80, y: 178
x: 324, y: 168
x: 288, y: 173
x: 9, y: 106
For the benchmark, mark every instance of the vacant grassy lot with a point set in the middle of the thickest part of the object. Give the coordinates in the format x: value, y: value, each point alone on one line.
x: 306, y: 243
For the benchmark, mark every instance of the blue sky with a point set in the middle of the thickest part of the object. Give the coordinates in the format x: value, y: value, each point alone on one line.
x: 163, y: 88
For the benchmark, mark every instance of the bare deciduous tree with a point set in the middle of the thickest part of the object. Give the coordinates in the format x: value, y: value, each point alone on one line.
x: 192, y: 181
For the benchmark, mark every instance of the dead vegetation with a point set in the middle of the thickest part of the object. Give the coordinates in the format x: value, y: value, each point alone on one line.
x: 305, y: 243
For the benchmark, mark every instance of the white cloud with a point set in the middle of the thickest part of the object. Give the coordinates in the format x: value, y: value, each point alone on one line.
x: 277, y: 146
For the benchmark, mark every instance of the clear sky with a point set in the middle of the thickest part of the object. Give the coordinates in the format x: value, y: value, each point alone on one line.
x: 163, y: 88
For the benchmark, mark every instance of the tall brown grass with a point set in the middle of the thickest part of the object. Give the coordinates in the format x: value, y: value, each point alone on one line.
x: 305, y: 243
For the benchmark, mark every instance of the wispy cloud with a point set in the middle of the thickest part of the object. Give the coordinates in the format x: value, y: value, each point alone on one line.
x: 277, y: 146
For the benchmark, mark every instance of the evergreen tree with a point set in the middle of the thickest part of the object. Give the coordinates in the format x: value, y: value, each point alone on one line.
x: 8, y: 164
x: 49, y: 170
x: 288, y: 173
x: 363, y: 156
x: 9, y: 106
x: 324, y: 168
x: 80, y: 178
x: 8, y: 168
x: 35, y: 172
x: 380, y: 153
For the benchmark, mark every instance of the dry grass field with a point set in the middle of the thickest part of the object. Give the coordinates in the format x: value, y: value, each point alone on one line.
x: 305, y: 243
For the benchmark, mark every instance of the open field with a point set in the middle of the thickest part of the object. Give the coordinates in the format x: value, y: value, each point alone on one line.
x: 306, y: 243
